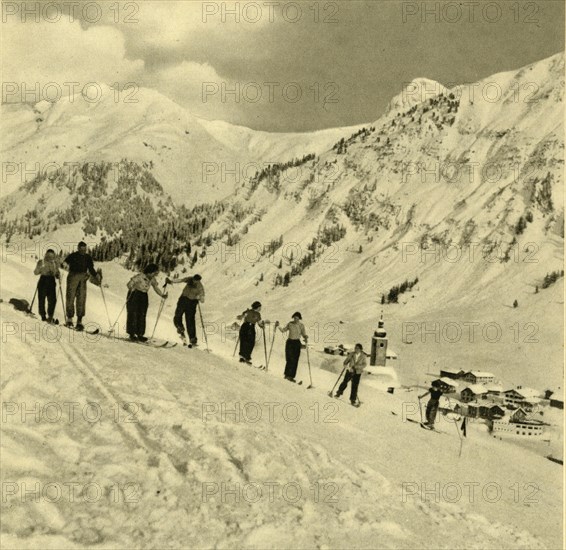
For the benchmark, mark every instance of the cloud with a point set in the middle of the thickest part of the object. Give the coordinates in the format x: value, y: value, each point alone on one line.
x: 184, y: 83
x: 64, y: 52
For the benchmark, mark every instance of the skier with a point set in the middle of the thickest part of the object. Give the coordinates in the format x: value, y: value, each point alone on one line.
x: 251, y: 317
x: 138, y: 287
x: 80, y: 265
x: 356, y: 363
x: 296, y: 329
x: 432, y: 405
x: 192, y: 294
x: 46, y: 286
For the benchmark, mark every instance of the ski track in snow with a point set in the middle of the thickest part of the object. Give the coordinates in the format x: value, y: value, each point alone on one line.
x: 163, y: 462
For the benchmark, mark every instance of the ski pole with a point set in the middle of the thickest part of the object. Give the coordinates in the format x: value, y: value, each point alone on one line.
x: 62, y: 301
x: 111, y: 331
x: 161, y: 306
x: 309, y: 364
x: 336, y: 383
x: 271, y: 347
x: 420, y: 409
x: 29, y: 311
x: 203, y: 329
x: 457, y: 429
x: 105, y: 305
x: 264, y: 345
x: 236, y: 346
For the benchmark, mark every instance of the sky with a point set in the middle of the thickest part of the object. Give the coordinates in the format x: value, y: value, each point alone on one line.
x: 275, y: 66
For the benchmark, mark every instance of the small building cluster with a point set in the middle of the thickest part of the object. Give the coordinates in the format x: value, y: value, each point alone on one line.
x: 474, y: 394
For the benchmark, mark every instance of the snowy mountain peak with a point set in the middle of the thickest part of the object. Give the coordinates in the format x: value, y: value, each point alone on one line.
x: 418, y: 90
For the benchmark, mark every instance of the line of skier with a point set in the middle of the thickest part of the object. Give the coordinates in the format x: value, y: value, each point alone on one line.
x: 81, y: 269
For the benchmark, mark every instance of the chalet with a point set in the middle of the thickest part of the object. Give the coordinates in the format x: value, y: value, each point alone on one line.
x: 493, y: 389
x: 521, y: 396
x: 491, y: 411
x: 451, y: 373
x: 518, y: 415
x: 473, y: 411
x: 478, y: 377
x: 447, y: 385
x: 472, y: 393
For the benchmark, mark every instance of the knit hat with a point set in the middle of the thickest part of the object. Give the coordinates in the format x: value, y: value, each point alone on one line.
x: 297, y: 314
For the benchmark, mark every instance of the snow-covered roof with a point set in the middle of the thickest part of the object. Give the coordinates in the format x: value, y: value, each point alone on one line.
x: 448, y: 381
x: 476, y: 388
x: 494, y: 387
x: 524, y: 392
x: 481, y: 374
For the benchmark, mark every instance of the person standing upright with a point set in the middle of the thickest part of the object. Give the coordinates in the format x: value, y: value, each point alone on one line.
x: 296, y: 329
x: 192, y: 294
x: 80, y: 266
x: 432, y: 405
x: 250, y: 317
x: 356, y: 363
x: 47, y: 286
x: 137, y: 303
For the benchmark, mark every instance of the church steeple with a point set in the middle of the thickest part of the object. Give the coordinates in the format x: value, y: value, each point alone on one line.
x: 379, y: 345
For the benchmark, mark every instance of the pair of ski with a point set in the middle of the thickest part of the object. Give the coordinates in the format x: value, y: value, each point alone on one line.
x: 425, y: 426
x: 250, y: 364
x: 357, y: 404
x: 152, y: 343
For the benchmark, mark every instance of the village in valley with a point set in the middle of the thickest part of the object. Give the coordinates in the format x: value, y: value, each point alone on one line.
x: 477, y: 396
x: 474, y: 396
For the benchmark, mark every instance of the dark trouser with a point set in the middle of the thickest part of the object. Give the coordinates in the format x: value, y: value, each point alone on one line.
x: 292, y: 354
x: 188, y: 308
x: 431, y: 410
x: 247, y: 340
x: 355, y: 378
x: 47, y: 290
x: 76, y: 290
x: 137, y: 310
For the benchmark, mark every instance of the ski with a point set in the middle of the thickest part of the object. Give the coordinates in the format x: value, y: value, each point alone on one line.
x: 424, y: 426
x: 161, y: 344
x: 90, y: 332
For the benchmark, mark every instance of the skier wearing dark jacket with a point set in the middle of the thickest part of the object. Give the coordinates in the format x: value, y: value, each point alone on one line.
x: 48, y: 270
x: 80, y: 266
x: 356, y: 363
x: 137, y: 303
x: 192, y: 294
x: 250, y: 318
x: 432, y: 405
x: 296, y: 329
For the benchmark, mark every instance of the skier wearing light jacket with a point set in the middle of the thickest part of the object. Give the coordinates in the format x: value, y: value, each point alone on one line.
x: 192, y: 294
x: 296, y: 329
x: 138, y: 287
x: 356, y: 363
x: 46, y: 286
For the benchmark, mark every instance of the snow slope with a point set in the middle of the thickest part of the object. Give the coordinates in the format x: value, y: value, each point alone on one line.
x: 149, y: 458
x: 191, y: 156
